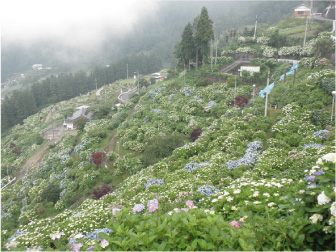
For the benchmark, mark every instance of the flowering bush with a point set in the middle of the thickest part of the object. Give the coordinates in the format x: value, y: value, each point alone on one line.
x: 268, y: 51
x: 246, y: 49
x: 263, y: 40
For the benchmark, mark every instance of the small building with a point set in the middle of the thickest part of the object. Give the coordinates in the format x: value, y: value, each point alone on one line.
x: 251, y: 69
x: 302, y: 11
x: 81, y: 114
x: 156, y: 76
x: 37, y: 67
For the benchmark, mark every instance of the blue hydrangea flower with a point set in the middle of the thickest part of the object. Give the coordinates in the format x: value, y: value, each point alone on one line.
x: 310, y: 178
x: 319, y: 172
x: 170, y: 97
x: 311, y: 145
x: 212, y: 103
x: 154, y: 181
x: 190, y: 167
x: 321, y: 133
x: 207, y: 190
x: 254, y: 149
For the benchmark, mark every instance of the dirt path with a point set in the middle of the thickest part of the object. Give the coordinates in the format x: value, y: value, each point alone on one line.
x: 38, y: 155
x: 49, y: 114
x: 124, y: 97
x: 112, y: 141
x: 98, y: 91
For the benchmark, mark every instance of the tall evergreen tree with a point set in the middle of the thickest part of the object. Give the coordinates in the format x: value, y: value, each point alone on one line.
x: 185, y: 50
x: 204, y: 33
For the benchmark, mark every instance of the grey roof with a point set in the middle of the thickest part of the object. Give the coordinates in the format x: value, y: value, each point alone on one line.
x: 77, y: 114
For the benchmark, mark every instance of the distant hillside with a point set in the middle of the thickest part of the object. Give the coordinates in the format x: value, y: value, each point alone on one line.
x: 157, y: 33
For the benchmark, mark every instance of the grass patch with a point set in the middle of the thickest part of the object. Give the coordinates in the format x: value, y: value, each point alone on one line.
x: 297, y: 29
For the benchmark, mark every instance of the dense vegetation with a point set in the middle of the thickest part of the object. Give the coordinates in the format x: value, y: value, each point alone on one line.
x: 195, y: 164
x: 24, y: 103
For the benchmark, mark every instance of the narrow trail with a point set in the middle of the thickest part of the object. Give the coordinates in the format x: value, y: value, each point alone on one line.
x: 49, y: 114
x: 99, y: 90
x: 39, y: 154
x: 123, y: 97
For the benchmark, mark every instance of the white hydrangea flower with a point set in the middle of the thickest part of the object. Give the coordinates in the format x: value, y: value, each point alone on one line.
x: 271, y: 204
x: 315, y: 217
x: 330, y: 157
x: 333, y: 209
x: 229, y: 199
x: 323, y: 199
x: 237, y: 191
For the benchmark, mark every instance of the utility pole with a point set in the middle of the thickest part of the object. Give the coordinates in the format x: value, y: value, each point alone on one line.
x: 305, y: 35
x: 266, y: 100
x: 184, y: 72
x: 127, y: 71
x: 211, y: 54
x: 216, y: 40
x: 311, y: 10
x: 96, y: 83
x: 333, y: 104
x: 255, y: 27
x: 254, y: 86
x: 234, y: 98
x: 138, y: 81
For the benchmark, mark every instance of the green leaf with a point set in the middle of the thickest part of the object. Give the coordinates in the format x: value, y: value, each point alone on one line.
x: 202, y: 243
x: 194, y: 244
x: 243, y: 244
x: 214, y: 233
x: 103, y: 236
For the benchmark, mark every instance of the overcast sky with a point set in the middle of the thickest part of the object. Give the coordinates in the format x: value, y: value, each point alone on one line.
x: 76, y: 21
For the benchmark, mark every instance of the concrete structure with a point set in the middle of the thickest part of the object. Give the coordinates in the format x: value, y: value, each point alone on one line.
x: 251, y: 69
x: 156, y: 75
x: 37, y: 66
x: 302, y: 11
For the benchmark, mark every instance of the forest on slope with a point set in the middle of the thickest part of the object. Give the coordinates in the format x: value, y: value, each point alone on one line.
x: 157, y: 32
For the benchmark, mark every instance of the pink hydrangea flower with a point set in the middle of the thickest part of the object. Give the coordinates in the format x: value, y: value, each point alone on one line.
x: 153, y: 205
x: 189, y: 203
x: 235, y: 224
x: 104, y: 243
x: 76, y: 247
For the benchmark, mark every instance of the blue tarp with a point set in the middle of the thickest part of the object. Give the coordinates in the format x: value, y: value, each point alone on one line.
x: 262, y: 93
x: 291, y: 71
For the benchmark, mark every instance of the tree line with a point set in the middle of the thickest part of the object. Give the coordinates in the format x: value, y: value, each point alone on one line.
x: 194, y: 45
x: 23, y: 103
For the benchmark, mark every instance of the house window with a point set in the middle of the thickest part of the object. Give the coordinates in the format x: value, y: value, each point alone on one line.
x: 300, y: 12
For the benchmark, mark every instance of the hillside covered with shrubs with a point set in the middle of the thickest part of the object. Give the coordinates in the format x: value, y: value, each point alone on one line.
x: 195, y: 165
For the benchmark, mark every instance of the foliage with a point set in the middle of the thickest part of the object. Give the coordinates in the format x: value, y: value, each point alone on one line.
x: 99, y: 192
x: 98, y: 157
x: 160, y: 147
x: 202, y: 82
x: 194, y: 135
x: 51, y: 193
x: 240, y: 101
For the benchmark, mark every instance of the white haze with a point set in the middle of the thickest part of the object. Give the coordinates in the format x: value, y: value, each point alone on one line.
x: 81, y: 25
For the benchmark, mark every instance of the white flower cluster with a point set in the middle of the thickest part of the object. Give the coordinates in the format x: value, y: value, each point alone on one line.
x: 323, y: 199
x: 246, y: 49
x: 263, y: 40
x: 268, y: 51
x: 316, y: 217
